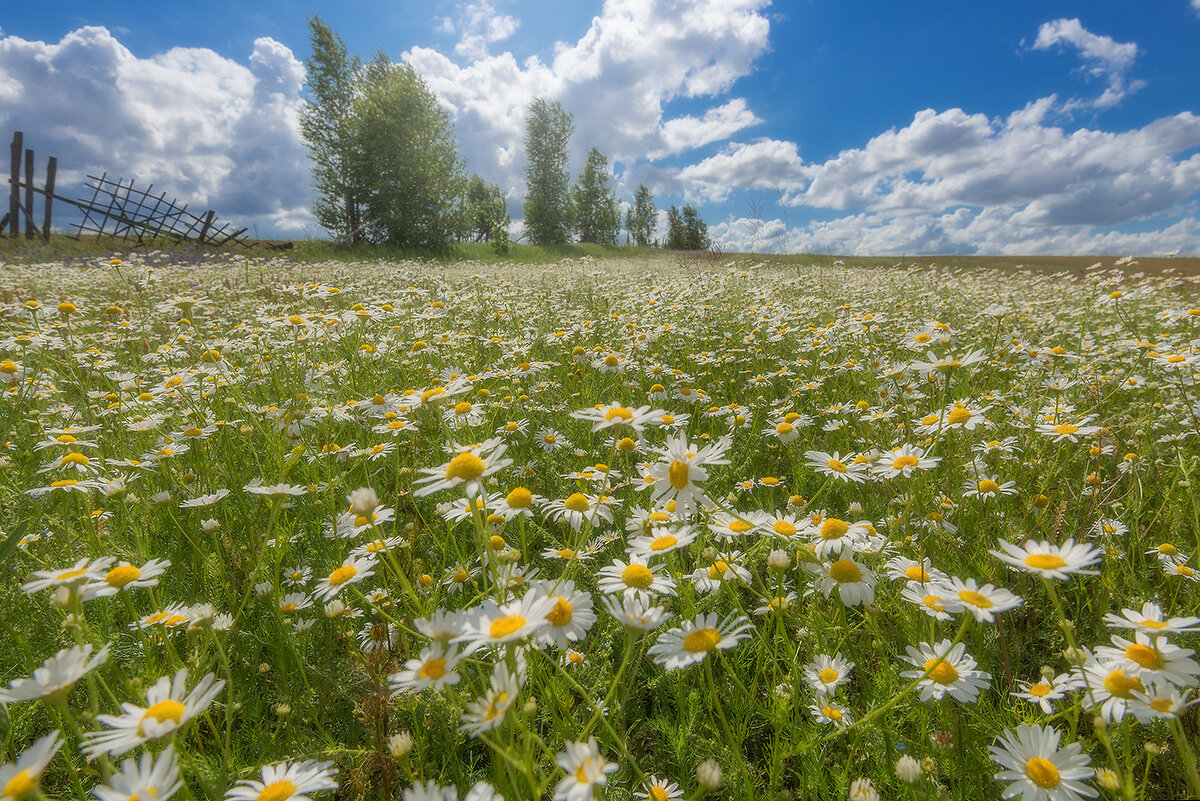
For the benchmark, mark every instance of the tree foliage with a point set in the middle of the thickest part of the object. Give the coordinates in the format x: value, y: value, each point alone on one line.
x: 487, y: 214
x: 686, y: 231
x: 596, y: 217
x: 640, y: 219
x: 332, y: 75
x: 406, y: 160
x: 385, y: 162
x: 548, y: 212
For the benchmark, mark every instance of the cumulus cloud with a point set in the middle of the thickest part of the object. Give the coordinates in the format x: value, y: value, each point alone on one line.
x: 479, y: 26
x: 1103, y: 58
x: 618, y: 78
x: 765, y: 164
x: 211, y: 131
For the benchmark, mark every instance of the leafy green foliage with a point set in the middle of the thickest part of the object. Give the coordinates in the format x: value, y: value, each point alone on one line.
x: 596, y: 215
x: 487, y: 214
x: 686, y: 231
x: 640, y: 220
x: 548, y: 212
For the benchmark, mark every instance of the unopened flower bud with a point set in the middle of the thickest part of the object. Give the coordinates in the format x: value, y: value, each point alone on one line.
x: 779, y: 560
x: 400, y: 744
x: 264, y: 589
x: 210, y: 525
x: 908, y: 770
x: 708, y: 774
x: 363, y: 501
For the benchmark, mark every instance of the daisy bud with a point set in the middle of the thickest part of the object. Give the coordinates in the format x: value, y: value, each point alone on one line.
x: 708, y: 773
x: 1152, y: 749
x: 855, y: 508
x: 62, y: 597
x: 1048, y: 672
x: 264, y: 589
x: 282, y: 710
x: 530, y: 708
x: 400, y: 744
x: 908, y: 770
x: 210, y: 525
x: 363, y: 501
x: 1074, y: 656
x: 779, y: 560
x: 710, y: 554
x: 161, y: 497
x: 928, y: 765
x: 335, y: 608
x: 863, y: 790
x: 1107, y: 778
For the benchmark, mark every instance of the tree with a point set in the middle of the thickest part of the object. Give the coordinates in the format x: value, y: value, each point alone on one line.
x: 331, y: 73
x: 487, y: 214
x: 406, y: 160
x: 596, y: 215
x: 640, y: 220
x: 548, y: 213
x: 686, y: 231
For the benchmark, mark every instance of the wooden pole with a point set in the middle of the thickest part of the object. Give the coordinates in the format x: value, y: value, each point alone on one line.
x: 51, y: 169
x: 14, y: 185
x: 29, y: 226
x: 208, y: 219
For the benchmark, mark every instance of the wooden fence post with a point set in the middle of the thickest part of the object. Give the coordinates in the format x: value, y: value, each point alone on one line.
x: 14, y: 185
x: 30, y: 228
x: 51, y: 169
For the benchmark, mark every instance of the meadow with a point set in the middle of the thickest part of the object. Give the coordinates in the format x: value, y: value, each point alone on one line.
x: 287, y: 527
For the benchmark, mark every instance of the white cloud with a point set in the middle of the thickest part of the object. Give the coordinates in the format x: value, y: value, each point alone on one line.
x: 947, y: 159
x: 635, y: 58
x: 206, y: 129
x: 765, y: 164
x: 480, y: 26
x: 1103, y: 58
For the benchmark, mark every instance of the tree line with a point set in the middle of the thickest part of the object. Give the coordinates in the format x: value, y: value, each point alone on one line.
x: 386, y: 168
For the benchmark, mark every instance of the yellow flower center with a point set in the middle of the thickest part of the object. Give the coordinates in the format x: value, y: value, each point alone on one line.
x: 75, y: 458
x: 1123, y: 686
x: 781, y: 527
x: 784, y: 428
x: 8, y: 366
x: 162, y: 712
x: 836, y: 466
x: 916, y: 573
x: 717, y: 569
x: 277, y: 791
x: 905, y: 461
x: 834, y: 529
x: 520, y: 498
x: 1144, y: 655
x: 638, y: 576
x: 288, y: 607
x: 1066, y: 429
x: 343, y: 574
x: 1167, y: 549
x: 504, y: 626
x: 958, y: 416
x: 941, y: 671
x: 975, y: 599
x: 466, y: 467
x: 677, y: 474
x: 934, y: 603
x: 121, y: 575
x: 922, y: 338
x: 566, y: 553
x: 741, y: 527
x: 832, y: 713
x: 663, y: 543
x: 659, y: 794
x: 19, y: 785
x: 1042, y: 772
x: 576, y: 502
x: 1184, y: 570
x: 1045, y: 561
x: 701, y: 640
x: 1039, y: 690
x: 1154, y: 624
x: 562, y: 612
x: 828, y: 675
x: 66, y: 482
x: 988, y: 487
x: 432, y: 669
x: 844, y: 571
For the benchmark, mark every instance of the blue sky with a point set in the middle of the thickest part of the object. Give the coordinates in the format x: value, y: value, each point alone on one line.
x: 848, y: 127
